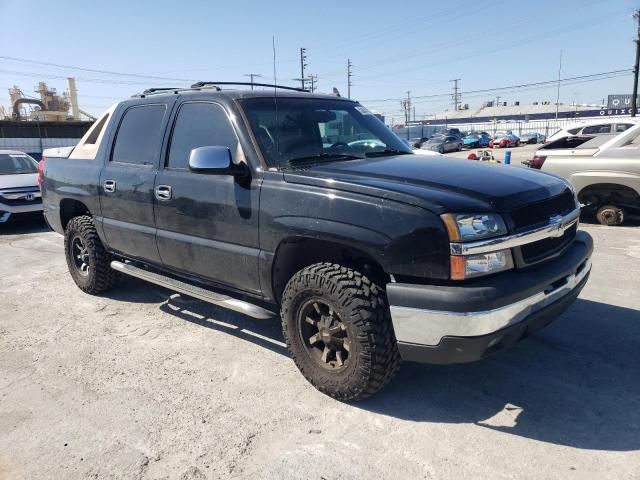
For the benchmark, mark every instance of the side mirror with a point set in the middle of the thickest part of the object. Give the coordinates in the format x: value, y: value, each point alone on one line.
x: 215, y: 161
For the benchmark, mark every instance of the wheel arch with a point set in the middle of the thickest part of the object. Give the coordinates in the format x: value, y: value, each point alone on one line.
x: 608, y: 193
x: 295, y: 253
x: 70, y: 208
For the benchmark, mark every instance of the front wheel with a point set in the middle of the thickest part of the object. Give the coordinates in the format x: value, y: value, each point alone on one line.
x: 459, y: 147
x: 338, y: 330
x: 87, y: 259
x: 610, y: 215
x: 440, y: 149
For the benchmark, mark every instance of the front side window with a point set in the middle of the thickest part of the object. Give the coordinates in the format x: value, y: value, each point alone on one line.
x: 621, y: 127
x: 199, y: 124
x: 138, y: 138
x: 291, y: 130
x: 17, y: 163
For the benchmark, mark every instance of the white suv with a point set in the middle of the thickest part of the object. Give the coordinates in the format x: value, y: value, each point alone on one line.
x: 595, y: 127
x: 19, y: 190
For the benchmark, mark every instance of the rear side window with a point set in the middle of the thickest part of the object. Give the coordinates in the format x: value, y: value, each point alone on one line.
x: 138, y: 138
x: 199, y: 124
x: 595, y: 129
x: 573, y: 131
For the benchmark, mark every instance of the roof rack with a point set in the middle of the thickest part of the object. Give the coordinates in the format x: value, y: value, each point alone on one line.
x: 199, y: 85
x: 248, y: 84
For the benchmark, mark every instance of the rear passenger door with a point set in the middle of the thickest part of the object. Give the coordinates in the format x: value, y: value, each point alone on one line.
x: 207, y: 225
x: 127, y: 181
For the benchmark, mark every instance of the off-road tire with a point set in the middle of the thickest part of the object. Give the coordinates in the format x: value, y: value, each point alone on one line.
x: 99, y: 276
x: 361, y: 305
x: 610, y: 215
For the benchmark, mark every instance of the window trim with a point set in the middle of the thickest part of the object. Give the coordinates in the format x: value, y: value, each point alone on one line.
x: 174, y: 121
x: 117, y: 131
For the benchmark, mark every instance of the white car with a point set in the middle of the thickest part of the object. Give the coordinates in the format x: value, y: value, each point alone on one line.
x: 594, y: 127
x: 19, y: 190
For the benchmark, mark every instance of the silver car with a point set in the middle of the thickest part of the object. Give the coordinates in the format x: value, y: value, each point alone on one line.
x: 443, y: 144
x: 604, y: 170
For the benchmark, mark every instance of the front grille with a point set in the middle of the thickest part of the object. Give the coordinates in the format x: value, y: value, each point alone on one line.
x: 20, y: 192
x: 537, y: 214
x: 548, y: 247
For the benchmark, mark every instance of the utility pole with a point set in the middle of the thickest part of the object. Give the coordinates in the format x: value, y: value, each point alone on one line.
x: 314, y: 82
x: 498, y: 97
x: 252, y: 76
x: 406, y: 106
x: 303, y: 64
x: 455, y: 96
x: 349, y: 75
x: 634, y: 94
x: 558, y: 95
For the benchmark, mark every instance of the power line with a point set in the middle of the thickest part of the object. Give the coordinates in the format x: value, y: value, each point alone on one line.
x: 509, y: 87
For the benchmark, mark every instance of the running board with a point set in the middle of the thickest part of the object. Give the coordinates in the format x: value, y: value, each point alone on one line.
x: 193, y: 291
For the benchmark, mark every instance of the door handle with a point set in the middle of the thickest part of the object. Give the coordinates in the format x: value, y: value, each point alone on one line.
x: 110, y: 186
x: 163, y: 192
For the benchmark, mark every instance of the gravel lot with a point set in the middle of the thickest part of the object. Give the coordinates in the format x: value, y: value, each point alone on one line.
x: 144, y: 384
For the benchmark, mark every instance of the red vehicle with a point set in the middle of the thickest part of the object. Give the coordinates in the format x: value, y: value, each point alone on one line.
x: 504, y: 140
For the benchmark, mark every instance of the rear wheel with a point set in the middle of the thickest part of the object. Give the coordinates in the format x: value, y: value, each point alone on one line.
x: 87, y: 259
x: 610, y: 215
x: 338, y: 330
x: 440, y: 149
x: 459, y: 147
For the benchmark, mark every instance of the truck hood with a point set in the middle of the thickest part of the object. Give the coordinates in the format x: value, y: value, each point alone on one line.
x: 21, y: 180
x: 440, y: 184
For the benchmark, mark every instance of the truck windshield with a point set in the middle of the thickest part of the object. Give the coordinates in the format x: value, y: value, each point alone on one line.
x: 294, y: 129
x: 17, y: 163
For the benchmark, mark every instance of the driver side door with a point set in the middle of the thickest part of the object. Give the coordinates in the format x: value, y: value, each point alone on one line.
x: 207, y: 225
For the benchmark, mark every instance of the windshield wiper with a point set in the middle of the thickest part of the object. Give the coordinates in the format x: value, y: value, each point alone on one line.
x: 322, y: 157
x: 387, y: 152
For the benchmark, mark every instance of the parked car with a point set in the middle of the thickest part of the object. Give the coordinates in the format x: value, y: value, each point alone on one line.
x: 595, y: 127
x: 532, y: 137
x: 603, y: 169
x: 19, y: 191
x: 504, y: 140
x: 367, y: 256
x: 418, y: 141
x: 477, y: 140
x: 443, y: 144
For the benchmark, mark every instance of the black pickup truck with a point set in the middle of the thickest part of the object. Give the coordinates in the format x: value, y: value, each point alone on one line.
x: 279, y: 201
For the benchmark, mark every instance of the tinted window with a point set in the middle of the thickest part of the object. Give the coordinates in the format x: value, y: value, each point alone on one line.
x: 621, y: 127
x: 591, y: 129
x: 573, y: 131
x: 138, y: 138
x: 199, y: 125
x: 16, y: 163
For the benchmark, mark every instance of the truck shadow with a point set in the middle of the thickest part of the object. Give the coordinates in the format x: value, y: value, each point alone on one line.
x: 574, y: 383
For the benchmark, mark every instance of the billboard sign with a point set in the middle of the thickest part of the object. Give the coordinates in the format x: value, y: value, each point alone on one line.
x: 620, y: 101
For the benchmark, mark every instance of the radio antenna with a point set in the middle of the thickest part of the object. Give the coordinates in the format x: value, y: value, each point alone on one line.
x: 275, y: 98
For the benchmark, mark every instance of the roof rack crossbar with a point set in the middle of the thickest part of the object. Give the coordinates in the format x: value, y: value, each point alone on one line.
x: 204, y: 84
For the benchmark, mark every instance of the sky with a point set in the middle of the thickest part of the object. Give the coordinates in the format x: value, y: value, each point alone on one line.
x: 395, y: 47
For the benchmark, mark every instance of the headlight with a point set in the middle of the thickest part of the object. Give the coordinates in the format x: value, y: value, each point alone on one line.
x: 463, y: 267
x: 464, y: 227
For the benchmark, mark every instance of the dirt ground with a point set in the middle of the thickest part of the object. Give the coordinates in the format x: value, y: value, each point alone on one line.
x: 144, y: 384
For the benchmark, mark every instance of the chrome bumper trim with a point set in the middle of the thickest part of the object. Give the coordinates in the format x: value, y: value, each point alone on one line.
x: 427, y: 327
x: 554, y: 229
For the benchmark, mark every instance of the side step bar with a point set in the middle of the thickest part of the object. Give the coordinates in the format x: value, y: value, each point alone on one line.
x: 219, y: 299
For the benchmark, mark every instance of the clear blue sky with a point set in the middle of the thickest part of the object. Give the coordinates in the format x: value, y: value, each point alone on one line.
x: 394, y: 46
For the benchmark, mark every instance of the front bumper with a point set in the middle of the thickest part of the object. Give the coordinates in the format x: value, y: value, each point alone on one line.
x: 6, y: 211
x: 443, y: 324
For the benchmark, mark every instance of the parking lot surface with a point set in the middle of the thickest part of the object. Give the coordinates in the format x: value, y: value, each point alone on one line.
x: 144, y: 384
